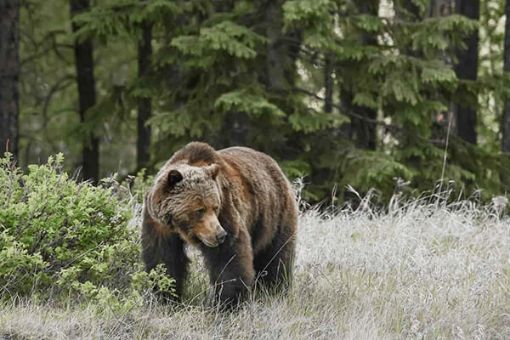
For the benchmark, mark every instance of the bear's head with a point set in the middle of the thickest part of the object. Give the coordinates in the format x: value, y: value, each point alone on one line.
x: 187, y: 199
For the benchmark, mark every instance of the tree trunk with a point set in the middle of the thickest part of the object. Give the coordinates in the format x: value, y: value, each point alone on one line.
x: 283, y: 48
x: 467, y: 69
x: 328, y: 85
x: 84, y: 62
x: 276, y: 49
x: 408, y: 10
x: 363, y: 132
x: 9, y: 75
x: 144, y: 103
x: 505, y: 125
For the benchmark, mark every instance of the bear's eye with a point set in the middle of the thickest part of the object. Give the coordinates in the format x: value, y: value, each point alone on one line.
x: 199, y: 212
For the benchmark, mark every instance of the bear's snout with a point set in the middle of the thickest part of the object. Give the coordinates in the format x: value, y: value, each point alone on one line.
x: 221, y: 236
x: 212, y: 235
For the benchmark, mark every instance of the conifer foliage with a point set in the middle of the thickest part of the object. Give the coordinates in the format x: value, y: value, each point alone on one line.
x: 341, y: 92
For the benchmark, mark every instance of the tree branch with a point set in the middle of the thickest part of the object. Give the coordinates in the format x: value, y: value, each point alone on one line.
x: 350, y: 113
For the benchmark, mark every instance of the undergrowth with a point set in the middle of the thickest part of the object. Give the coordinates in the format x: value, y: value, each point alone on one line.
x: 429, y: 267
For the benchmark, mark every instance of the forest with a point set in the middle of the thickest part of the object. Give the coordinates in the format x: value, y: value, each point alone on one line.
x: 391, y: 117
x: 396, y: 96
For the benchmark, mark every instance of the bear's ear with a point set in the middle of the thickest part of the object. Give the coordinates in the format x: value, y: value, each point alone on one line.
x: 212, y: 170
x: 174, y: 177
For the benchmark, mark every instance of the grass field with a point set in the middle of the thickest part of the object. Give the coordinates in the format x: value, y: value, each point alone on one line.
x: 421, y: 270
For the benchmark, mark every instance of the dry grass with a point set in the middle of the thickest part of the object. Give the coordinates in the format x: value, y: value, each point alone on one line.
x: 419, y: 271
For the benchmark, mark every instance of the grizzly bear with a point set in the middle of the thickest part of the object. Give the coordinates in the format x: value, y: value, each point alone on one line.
x: 236, y: 206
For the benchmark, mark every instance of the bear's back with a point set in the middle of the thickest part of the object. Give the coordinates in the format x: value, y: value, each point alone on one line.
x: 258, y: 167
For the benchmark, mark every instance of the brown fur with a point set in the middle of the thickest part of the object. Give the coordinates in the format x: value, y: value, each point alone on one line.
x: 200, y: 194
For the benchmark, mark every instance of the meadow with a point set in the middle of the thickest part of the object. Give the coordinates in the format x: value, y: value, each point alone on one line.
x: 419, y: 269
x: 392, y: 95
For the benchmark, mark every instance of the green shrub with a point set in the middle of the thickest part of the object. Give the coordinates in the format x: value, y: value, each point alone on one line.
x: 59, y: 236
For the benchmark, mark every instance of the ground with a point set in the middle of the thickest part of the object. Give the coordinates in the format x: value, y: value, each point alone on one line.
x: 421, y: 270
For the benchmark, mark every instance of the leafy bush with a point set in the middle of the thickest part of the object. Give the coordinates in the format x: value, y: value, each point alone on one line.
x: 60, y: 236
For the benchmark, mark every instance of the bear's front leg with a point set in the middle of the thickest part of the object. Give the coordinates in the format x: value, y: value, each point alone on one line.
x: 161, y: 247
x: 231, y: 270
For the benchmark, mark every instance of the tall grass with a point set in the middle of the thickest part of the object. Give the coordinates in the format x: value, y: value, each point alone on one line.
x: 421, y: 269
